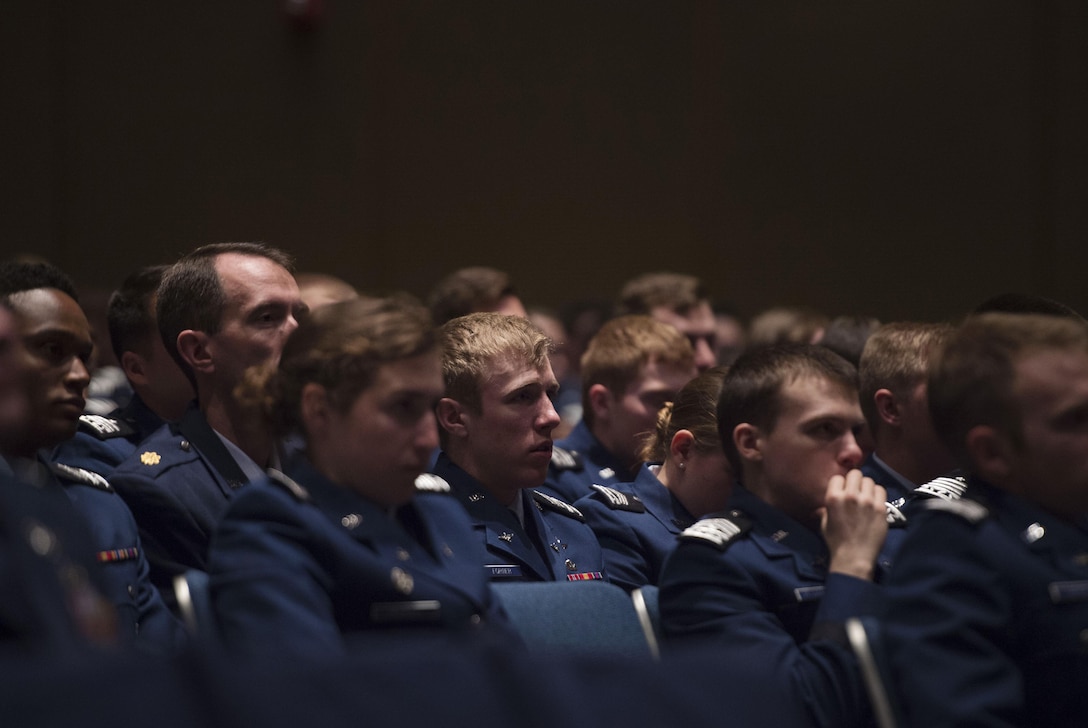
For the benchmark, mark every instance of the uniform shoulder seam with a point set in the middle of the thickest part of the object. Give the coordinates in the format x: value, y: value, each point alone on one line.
x: 719, y: 531
x: 970, y: 510
x: 80, y: 475
x: 617, y: 500
x: 544, y: 500
x: 291, y: 486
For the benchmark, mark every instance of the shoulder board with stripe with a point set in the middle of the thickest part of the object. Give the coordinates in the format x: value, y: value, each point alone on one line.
x: 281, y: 479
x: 618, y: 501
x: 566, y: 459
x: 544, y: 500
x: 104, y: 428
x: 945, y: 487
x: 967, y: 509
x: 431, y: 483
x: 718, y: 532
x: 79, y: 475
x: 894, y: 515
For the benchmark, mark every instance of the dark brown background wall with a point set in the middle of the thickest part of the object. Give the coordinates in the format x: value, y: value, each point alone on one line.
x: 898, y: 159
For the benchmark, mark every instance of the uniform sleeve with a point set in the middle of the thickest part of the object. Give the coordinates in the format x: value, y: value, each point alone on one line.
x: 173, y: 538
x: 87, y: 452
x: 625, y: 557
x: 948, y: 615
x: 157, y: 626
x: 709, y: 595
x: 270, y: 588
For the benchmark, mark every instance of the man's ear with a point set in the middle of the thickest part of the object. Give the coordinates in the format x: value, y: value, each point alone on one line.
x: 749, y: 442
x: 990, y: 453
x: 600, y: 401
x: 132, y: 364
x: 887, y: 406
x: 193, y: 348
x: 682, y: 445
x: 314, y: 408
x: 451, y: 417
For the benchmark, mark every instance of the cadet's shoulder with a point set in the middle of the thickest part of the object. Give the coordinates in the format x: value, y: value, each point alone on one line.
x: 101, y: 427
x: 280, y: 482
x: 613, y: 499
x: 550, y: 504
x: 719, y: 531
x: 71, y: 475
x: 431, y: 483
x: 157, y: 455
x: 963, y: 509
x: 946, y: 487
x: 564, y: 459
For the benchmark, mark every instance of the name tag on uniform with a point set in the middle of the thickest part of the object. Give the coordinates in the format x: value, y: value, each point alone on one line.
x: 585, y: 576
x: 503, y: 571
x: 1064, y: 592
x: 808, y: 593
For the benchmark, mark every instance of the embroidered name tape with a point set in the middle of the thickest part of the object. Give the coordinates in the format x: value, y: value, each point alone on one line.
x: 808, y: 593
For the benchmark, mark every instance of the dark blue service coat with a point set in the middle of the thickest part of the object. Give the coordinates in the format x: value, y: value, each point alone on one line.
x: 753, y: 580
x: 178, y: 484
x: 637, y: 524
x: 300, y: 564
x: 554, y: 545
x: 987, y: 614
x: 143, y: 614
x: 102, y: 443
x: 579, y: 462
x: 897, y: 491
x: 51, y: 586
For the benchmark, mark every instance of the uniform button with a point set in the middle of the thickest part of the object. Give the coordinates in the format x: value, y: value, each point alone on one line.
x: 475, y: 620
x: 131, y: 590
x: 185, y: 446
x: 41, y: 539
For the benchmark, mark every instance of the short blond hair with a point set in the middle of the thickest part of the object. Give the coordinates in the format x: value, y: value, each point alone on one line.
x: 617, y: 353
x: 472, y: 344
x: 896, y: 357
x: 675, y: 291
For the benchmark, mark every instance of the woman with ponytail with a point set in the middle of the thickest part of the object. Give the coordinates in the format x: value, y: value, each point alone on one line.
x: 685, y: 476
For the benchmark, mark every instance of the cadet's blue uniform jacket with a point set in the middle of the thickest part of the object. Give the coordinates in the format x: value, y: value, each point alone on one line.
x: 752, y: 577
x: 892, y: 482
x: 637, y: 524
x: 579, y: 462
x: 51, y: 585
x: 987, y: 612
x: 178, y: 484
x: 143, y: 616
x: 554, y: 545
x: 102, y: 443
x: 299, y: 564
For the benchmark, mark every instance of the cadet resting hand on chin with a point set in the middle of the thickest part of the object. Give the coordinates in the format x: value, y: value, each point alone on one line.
x: 854, y: 523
